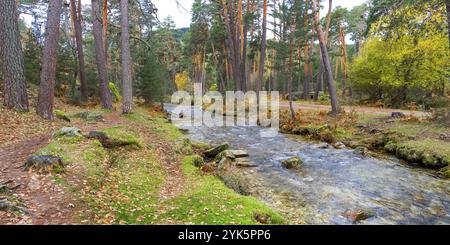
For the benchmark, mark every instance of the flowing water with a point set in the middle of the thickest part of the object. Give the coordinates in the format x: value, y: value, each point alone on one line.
x: 333, y: 182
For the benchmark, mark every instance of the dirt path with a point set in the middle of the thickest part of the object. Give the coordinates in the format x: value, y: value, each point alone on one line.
x: 359, y: 109
x: 45, y: 200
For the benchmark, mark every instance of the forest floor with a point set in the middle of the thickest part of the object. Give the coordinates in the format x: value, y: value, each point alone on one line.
x: 152, y: 181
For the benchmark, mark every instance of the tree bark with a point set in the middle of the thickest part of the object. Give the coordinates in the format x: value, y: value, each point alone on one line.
x: 263, y: 50
x: 79, y: 41
x: 49, y: 58
x: 11, y: 53
x: 100, y: 55
x: 335, y: 107
x: 447, y: 4
x: 126, y: 60
x: 307, y: 58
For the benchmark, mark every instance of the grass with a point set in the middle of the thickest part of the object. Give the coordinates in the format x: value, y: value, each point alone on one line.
x: 209, y: 201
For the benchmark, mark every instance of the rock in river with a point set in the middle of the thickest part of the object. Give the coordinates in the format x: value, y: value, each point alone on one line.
x: 211, y: 153
x: 292, y: 163
x: 339, y: 145
x: 360, y: 150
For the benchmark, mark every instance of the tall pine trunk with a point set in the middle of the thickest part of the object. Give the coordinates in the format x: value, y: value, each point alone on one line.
x: 79, y: 41
x: 335, y: 107
x: 100, y: 55
x: 263, y: 50
x: 126, y: 59
x: 49, y: 57
x: 15, y: 87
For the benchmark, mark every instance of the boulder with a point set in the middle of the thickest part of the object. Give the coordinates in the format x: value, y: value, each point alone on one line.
x: 224, y: 154
x: 339, y: 145
x: 43, y: 164
x: 213, y: 152
x: 398, y: 115
x: 361, y: 150
x: 68, y: 132
x: 89, y: 116
x: 292, y: 163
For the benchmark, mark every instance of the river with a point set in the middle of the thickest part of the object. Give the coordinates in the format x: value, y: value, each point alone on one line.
x: 331, y: 183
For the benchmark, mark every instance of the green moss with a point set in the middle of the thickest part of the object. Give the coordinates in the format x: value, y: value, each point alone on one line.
x: 61, y: 115
x: 123, y: 136
x: 209, y: 201
x: 115, y: 92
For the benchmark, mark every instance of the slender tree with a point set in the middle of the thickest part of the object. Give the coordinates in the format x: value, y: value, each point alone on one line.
x: 335, y: 107
x: 79, y: 41
x: 100, y: 55
x: 49, y: 57
x: 263, y: 50
x: 15, y: 87
x: 126, y: 59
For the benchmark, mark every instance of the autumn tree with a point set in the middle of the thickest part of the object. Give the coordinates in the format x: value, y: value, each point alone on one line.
x: 15, y: 87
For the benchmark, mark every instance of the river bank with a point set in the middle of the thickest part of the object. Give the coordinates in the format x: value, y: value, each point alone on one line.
x: 419, y: 141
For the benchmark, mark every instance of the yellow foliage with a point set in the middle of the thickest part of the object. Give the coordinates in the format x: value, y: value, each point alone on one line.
x: 181, y: 80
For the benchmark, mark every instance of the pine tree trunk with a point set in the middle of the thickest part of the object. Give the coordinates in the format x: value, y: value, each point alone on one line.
x: 126, y: 59
x: 335, y: 107
x: 15, y: 87
x: 447, y: 3
x: 100, y: 55
x: 263, y: 50
x: 79, y: 41
x: 49, y: 58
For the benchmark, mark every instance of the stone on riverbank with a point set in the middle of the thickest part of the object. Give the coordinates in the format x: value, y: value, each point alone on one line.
x: 213, y: 152
x: 339, y: 145
x: 360, y: 150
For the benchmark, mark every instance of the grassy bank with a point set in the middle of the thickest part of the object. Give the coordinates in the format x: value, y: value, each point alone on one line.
x: 151, y: 181
x: 420, y: 142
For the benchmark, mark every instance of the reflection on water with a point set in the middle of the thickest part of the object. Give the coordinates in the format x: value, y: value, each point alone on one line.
x: 332, y: 182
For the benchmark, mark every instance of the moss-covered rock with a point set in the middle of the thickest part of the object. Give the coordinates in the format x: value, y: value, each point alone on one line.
x: 292, y: 163
x: 89, y: 116
x: 68, y: 133
x: 115, y: 137
x: 44, y: 164
x: 61, y: 115
x: 213, y: 152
